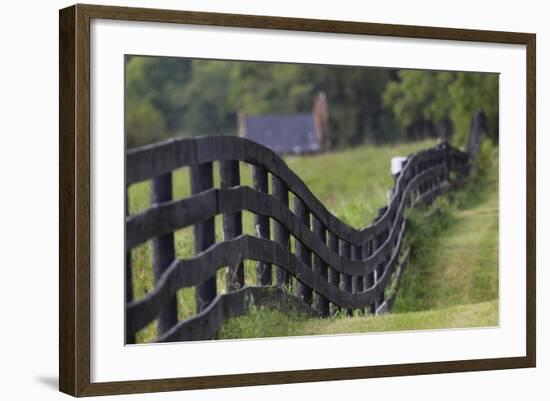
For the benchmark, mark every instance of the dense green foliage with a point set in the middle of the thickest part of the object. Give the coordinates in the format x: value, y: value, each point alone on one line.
x: 167, y: 97
x: 444, y: 96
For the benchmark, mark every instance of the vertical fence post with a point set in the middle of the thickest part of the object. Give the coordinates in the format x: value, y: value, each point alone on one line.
x: 415, y: 193
x: 358, y: 281
x: 432, y: 182
x: 303, y: 292
x: 447, y: 162
x: 280, y: 233
x: 379, y: 271
x: 261, y: 223
x: 345, y: 251
x: 163, y: 252
x: 422, y: 186
x: 334, y: 275
x: 369, y: 279
x: 130, y: 337
x: 232, y: 222
x: 205, y: 234
x: 320, y: 267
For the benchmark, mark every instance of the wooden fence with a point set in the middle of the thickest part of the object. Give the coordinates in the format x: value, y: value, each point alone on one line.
x: 333, y: 266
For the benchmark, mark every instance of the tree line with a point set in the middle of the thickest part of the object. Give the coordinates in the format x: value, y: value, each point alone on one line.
x: 167, y: 97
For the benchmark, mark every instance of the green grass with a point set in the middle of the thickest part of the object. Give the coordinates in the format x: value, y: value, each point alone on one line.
x: 456, y: 263
x: 352, y: 184
x: 451, y: 282
x: 274, y: 323
x: 455, y: 250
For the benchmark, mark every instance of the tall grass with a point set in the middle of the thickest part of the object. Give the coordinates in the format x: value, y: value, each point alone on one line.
x: 455, y: 247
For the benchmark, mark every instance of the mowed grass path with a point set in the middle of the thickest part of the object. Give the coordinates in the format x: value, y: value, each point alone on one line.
x: 460, y: 264
x: 451, y: 282
x: 351, y: 183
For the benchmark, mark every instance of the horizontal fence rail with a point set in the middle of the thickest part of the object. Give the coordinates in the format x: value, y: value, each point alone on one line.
x: 330, y: 267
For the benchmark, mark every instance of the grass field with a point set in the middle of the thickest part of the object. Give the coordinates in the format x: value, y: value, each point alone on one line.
x: 451, y: 282
x: 352, y: 184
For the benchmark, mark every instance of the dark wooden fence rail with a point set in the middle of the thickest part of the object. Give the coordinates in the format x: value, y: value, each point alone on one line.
x: 335, y: 267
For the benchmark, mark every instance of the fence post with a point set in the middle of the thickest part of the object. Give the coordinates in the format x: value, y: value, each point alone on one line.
x: 358, y: 281
x: 163, y: 252
x: 478, y: 128
x: 303, y: 292
x: 444, y: 160
x: 232, y: 222
x: 379, y: 273
x: 334, y: 275
x: 345, y: 251
x: 280, y: 233
x: 320, y: 267
x: 422, y: 186
x: 369, y: 279
x: 261, y: 223
x: 130, y: 337
x: 415, y: 193
x: 205, y: 234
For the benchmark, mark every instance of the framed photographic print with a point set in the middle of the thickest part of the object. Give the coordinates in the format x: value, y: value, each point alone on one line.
x: 250, y: 200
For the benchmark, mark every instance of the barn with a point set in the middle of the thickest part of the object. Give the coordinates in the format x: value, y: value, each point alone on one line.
x: 303, y: 133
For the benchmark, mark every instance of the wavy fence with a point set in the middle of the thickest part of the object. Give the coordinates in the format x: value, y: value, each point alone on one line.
x: 331, y: 266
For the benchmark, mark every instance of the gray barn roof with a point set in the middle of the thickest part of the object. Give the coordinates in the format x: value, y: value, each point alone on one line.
x: 294, y: 133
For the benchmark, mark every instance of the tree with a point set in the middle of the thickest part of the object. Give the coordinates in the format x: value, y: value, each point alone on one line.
x: 468, y: 93
x: 443, y: 96
x: 167, y: 97
x: 153, y: 88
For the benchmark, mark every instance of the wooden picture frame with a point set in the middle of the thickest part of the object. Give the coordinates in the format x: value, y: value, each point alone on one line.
x: 75, y: 200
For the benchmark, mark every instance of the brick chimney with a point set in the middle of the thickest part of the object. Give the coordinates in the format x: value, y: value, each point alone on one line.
x: 320, y: 117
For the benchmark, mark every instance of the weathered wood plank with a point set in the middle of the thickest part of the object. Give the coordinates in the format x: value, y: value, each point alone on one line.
x: 163, y: 252
x: 369, y: 278
x: 204, y: 232
x: 169, y: 216
x: 173, y: 215
x: 425, y: 172
x: 280, y: 232
x: 345, y: 279
x: 154, y: 160
x: 333, y: 273
x: 379, y: 273
x: 357, y: 281
x: 204, y: 325
x: 303, y: 252
x: 232, y: 222
x: 244, y: 198
x: 320, y: 267
x: 129, y: 281
x: 261, y: 223
x: 186, y: 273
